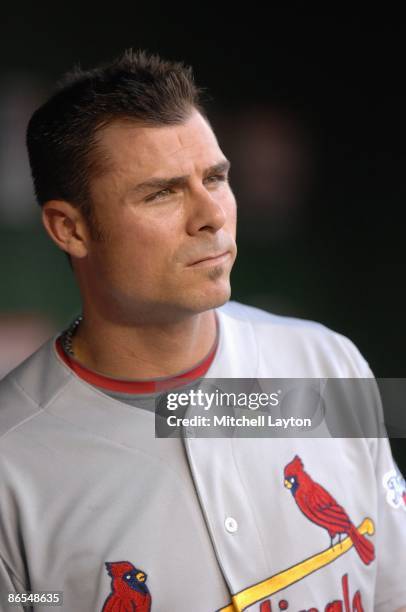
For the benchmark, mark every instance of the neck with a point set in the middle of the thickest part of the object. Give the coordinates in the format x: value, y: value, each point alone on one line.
x: 144, y: 351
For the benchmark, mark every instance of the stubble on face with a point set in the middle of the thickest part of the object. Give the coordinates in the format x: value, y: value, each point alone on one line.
x: 145, y: 238
x: 215, y: 273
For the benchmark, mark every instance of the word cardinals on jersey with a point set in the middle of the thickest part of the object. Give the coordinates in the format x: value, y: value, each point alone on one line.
x: 345, y: 604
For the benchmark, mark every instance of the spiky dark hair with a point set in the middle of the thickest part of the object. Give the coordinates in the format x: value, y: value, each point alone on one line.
x: 62, y: 133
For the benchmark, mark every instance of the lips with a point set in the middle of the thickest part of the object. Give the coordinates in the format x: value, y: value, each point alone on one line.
x: 211, y: 258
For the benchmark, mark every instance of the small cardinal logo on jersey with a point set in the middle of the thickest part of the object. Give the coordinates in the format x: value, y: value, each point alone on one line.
x: 129, y: 593
x: 322, y: 509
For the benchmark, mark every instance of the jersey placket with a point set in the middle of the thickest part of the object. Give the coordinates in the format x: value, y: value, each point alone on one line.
x: 228, y: 512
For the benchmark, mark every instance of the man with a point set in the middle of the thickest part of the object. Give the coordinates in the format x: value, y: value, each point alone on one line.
x: 134, y: 187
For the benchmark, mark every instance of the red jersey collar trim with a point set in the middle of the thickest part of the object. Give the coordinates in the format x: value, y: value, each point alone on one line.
x: 136, y: 386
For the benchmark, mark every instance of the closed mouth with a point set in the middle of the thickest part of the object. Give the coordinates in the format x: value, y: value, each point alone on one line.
x: 211, y: 258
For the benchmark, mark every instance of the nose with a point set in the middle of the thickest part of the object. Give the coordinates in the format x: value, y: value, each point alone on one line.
x: 206, y: 211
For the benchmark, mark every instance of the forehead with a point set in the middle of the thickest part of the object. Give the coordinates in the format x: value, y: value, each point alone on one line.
x: 142, y: 150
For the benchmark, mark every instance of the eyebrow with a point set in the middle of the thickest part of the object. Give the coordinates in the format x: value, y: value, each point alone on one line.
x: 178, y: 181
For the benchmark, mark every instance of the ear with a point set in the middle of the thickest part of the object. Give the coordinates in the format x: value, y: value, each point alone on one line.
x: 66, y: 226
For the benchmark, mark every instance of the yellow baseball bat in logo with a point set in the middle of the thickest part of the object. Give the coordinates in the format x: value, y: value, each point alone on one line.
x: 242, y: 600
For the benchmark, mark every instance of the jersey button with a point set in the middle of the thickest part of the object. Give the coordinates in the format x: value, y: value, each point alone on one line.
x: 231, y: 524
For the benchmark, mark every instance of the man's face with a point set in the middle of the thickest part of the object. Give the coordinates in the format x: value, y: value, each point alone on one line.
x: 169, y: 245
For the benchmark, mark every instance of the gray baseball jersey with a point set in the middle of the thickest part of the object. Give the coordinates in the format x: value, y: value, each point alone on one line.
x: 93, y: 505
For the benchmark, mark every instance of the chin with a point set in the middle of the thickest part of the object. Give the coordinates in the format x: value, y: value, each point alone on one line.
x: 213, y: 296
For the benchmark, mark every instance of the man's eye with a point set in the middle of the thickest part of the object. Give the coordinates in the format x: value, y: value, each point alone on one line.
x: 216, y: 178
x: 158, y: 195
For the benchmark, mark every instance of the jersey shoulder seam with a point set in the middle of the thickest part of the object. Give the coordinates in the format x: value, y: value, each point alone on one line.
x: 40, y: 410
x: 267, y: 318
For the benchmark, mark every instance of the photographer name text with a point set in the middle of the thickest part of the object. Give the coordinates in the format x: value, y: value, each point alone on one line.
x: 259, y: 420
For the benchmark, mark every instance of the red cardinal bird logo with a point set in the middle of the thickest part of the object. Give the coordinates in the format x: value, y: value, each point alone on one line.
x: 129, y: 593
x: 322, y: 509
